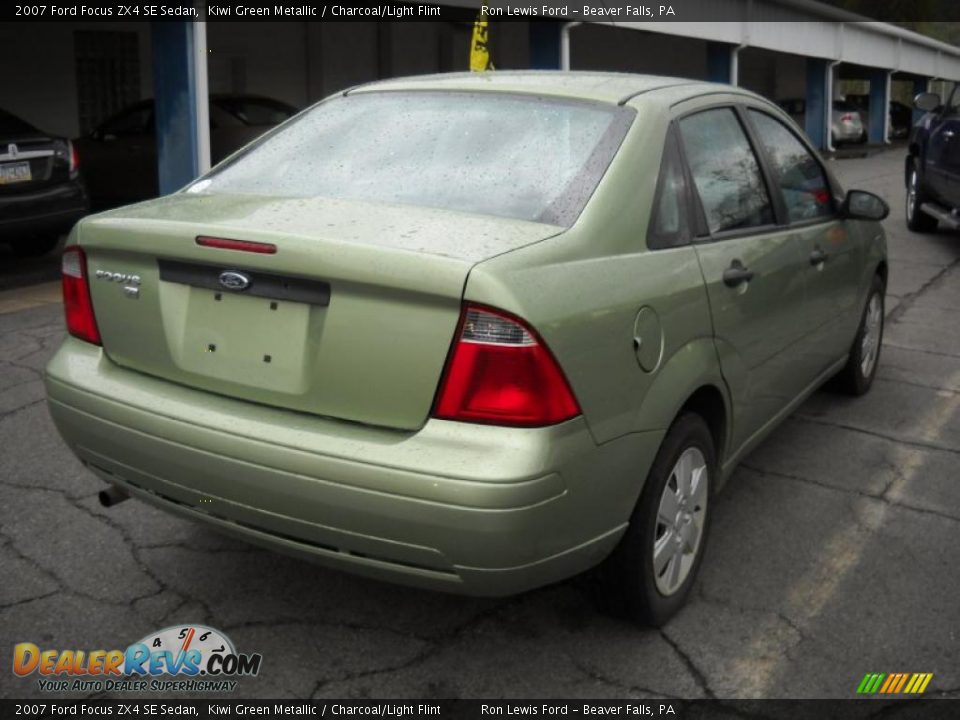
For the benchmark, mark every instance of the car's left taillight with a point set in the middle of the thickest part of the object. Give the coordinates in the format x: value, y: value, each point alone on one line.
x: 81, y: 322
x: 500, y: 372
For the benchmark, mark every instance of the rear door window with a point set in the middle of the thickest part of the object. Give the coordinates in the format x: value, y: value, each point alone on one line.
x: 12, y: 125
x: 254, y: 111
x: 802, y: 181
x: 135, y: 121
x: 669, y: 222
x: 725, y: 171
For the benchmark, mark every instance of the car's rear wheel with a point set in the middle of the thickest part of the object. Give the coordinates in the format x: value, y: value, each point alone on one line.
x: 35, y: 246
x: 649, y: 575
x: 857, y: 375
x: 917, y: 220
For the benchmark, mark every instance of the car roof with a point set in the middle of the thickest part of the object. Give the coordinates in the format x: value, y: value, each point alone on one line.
x: 607, y: 87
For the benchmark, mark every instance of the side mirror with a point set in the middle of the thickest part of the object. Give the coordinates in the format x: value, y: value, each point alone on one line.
x: 863, y: 205
x: 927, y: 101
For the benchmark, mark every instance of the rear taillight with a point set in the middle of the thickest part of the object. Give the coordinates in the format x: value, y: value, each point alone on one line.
x: 500, y: 372
x: 74, y: 157
x: 81, y: 322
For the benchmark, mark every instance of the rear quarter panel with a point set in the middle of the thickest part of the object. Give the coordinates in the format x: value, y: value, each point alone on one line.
x: 582, y: 291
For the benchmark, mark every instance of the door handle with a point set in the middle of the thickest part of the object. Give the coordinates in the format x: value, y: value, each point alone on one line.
x: 736, y: 274
x: 818, y: 256
x: 948, y: 134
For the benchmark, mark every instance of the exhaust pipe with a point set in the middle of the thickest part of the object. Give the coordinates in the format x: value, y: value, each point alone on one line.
x: 113, y: 495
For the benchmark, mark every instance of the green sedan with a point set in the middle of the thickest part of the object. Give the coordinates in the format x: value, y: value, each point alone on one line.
x: 476, y: 333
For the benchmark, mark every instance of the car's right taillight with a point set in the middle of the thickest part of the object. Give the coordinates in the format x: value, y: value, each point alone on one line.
x: 500, y: 372
x: 81, y: 322
x: 74, y: 158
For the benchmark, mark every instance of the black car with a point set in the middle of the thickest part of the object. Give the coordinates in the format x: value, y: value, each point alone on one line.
x: 120, y: 156
x: 932, y: 169
x: 41, y: 192
x: 901, y: 119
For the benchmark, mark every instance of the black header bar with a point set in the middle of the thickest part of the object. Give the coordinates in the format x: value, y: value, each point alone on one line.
x: 928, y: 709
x: 499, y: 11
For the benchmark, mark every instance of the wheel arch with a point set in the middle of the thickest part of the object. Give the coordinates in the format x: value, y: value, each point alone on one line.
x: 709, y: 403
x: 882, y: 271
x: 690, y: 381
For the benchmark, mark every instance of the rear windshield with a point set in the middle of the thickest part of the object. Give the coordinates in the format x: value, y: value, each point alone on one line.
x: 496, y: 154
x: 12, y: 125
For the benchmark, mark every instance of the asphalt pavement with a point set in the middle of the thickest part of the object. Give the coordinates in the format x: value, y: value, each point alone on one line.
x: 834, y: 550
x: 18, y: 272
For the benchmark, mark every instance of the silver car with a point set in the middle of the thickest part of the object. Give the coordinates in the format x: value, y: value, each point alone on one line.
x: 846, y: 122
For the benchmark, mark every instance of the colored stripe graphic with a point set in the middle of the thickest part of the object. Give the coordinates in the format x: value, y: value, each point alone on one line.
x: 870, y: 683
x: 891, y: 682
x: 894, y: 683
x: 899, y: 687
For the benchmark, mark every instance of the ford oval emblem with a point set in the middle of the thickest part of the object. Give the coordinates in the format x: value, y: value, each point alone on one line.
x: 234, y: 281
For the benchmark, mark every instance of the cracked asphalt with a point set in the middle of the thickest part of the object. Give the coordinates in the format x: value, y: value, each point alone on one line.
x: 834, y: 551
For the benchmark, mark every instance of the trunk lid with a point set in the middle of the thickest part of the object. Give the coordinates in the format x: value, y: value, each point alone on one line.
x: 352, y: 317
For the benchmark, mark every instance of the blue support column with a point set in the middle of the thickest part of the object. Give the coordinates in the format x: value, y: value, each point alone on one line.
x: 174, y: 87
x: 919, y: 86
x: 719, y: 57
x: 816, y: 102
x: 879, y: 106
x: 545, y: 45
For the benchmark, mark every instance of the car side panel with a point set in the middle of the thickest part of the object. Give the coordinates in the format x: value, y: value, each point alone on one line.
x: 942, y: 158
x: 759, y: 326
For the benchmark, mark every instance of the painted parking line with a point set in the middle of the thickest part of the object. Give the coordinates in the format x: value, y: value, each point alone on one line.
x: 812, y: 591
x: 30, y: 297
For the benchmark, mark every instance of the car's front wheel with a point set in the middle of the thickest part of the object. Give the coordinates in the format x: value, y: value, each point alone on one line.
x: 917, y: 220
x: 649, y: 575
x: 857, y: 376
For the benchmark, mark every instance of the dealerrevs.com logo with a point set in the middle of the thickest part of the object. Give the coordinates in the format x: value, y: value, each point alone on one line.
x: 175, y: 659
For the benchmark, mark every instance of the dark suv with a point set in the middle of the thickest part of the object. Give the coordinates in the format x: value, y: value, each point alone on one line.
x: 932, y: 171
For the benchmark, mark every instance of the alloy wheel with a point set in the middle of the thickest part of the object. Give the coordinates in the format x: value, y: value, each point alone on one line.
x: 870, y: 344
x: 680, y: 521
x: 912, y: 194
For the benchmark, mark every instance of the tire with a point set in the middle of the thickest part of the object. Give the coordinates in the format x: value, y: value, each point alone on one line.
x: 627, y: 584
x: 35, y: 246
x: 917, y: 220
x: 857, y: 375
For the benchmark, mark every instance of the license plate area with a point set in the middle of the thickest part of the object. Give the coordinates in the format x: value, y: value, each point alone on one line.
x: 247, y: 340
x: 16, y: 172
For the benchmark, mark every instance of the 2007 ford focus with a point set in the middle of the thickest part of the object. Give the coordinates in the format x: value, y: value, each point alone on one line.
x: 475, y: 333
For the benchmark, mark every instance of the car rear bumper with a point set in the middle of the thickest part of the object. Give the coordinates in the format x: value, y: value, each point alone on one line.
x: 847, y: 133
x: 474, y: 509
x: 49, y: 210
